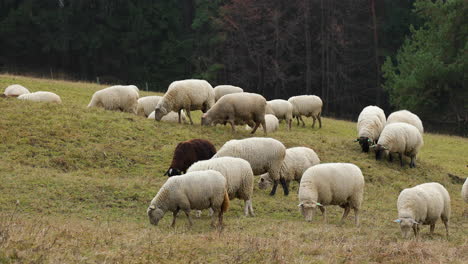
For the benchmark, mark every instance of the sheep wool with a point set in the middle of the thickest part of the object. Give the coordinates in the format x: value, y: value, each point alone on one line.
x: 41, y: 96
x: 307, y: 105
x: 465, y: 191
x: 423, y: 204
x: 406, y: 116
x: 189, y: 95
x: 272, y: 124
x: 15, y: 90
x: 195, y: 190
x: 331, y: 184
x: 147, y: 104
x: 283, y: 110
x: 222, y: 90
x: 239, y: 177
x: 265, y: 155
x: 370, y: 124
x: 119, y: 98
x: 172, y: 117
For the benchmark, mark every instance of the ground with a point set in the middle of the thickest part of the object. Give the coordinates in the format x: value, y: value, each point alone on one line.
x: 75, y: 184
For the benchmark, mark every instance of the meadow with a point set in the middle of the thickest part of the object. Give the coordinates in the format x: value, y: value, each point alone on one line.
x: 75, y: 184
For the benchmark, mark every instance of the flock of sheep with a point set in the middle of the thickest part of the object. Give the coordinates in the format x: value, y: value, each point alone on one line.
x: 211, y: 178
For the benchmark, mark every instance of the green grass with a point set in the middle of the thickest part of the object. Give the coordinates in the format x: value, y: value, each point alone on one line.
x: 84, y: 178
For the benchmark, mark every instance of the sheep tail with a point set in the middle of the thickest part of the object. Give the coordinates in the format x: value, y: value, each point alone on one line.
x: 225, y: 205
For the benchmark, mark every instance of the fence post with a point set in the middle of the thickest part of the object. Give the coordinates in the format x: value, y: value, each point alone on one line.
x: 97, y: 79
x: 146, y: 83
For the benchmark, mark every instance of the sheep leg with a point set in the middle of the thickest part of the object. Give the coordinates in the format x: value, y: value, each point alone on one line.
x: 319, y: 119
x: 273, y: 190
x: 188, y: 115
x: 285, y: 186
x: 189, y: 218
x: 415, y: 230
x: 180, y: 113
x: 324, y: 213
x: 255, y: 128
x: 210, y: 212
x: 251, y: 208
x: 233, y: 126
x: 346, y: 212
x: 246, y: 207
x: 412, y: 164
x: 313, y: 123
x: 174, y: 216
x: 220, y: 218
x: 445, y: 220
x: 198, y: 213
x: 390, y: 157
x: 432, y: 227
x: 356, y: 216
x: 401, y: 159
x: 213, y: 217
x: 303, y: 123
x: 297, y: 118
x: 289, y: 124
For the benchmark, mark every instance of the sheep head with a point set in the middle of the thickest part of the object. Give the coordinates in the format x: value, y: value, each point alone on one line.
x: 307, y: 209
x: 206, y: 120
x: 172, y: 172
x: 264, y: 182
x: 161, y: 110
x: 379, y: 149
x: 365, y: 143
x: 406, y: 225
x: 155, y: 214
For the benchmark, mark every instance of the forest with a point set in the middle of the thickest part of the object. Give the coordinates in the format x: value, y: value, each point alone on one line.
x: 392, y: 53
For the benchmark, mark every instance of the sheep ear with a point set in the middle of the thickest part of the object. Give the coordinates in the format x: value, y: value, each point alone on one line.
x: 152, y: 207
x: 369, y: 140
x: 300, y: 205
x: 384, y: 147
x: 319, y: 204
x: 373, y: 146
x: 167, y: 172
x: 414, y: 222
x: 356, y: 140
x: 397, y: 221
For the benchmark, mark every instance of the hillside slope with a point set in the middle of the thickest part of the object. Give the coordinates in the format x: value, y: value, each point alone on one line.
x: 75, y: 184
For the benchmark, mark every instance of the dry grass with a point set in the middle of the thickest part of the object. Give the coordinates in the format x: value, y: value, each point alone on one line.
x: 84, y: 177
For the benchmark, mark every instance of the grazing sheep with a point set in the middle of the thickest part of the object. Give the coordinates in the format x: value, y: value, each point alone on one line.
x: 15, y: 90
x: 238, y: 174
x: 465, y: 191
x: 307, y: 105
x: 263, y: 154
x: 147, y: 104
x: 40, y: 96
x: 222, y: 90
x: 238, y: 108
x: 188, y: 152
x: 331, y: 184
x: 189, y: 95
x: 171, y: 117
x: 272, y: 124
x: 370, y: 124
x: 119, y: 98
x: 423, y: 204
x: 400, y: 138
x: 283, y: 110
x: 295, y: 163
x: 406, y: 116
x: 195, y: 190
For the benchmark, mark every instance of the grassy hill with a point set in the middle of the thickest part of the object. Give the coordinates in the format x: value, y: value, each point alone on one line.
x: 75, y: 184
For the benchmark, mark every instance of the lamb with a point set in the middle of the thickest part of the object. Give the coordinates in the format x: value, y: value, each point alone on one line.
x: 171, y: 117
x: 195, y: 190
x: 189, y: 95
x: 188, y: 152
x: 331, y: 184
x: 272, y: 124
x: 295, y: 163
x: 423, y: 204
x: 465, y: 191
x: 147, y: 104
x: 15, y: 90
x: 401, y: 138
x: 41, y: 96
x: 238, y: 108
x: 307, y: 105
x: 370, y: 124
x: 239, y: 177
x: 119, y: 98
x: 406, y: 116
x: 222, y: 90
x: 283, y: 110
x: 263, y: 154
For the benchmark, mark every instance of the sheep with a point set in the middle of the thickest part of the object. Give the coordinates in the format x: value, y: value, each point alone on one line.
x: 423, y: 205
x: 171, y: 117
x: 41, y: 96
x: 401, y: 138
x: 15, y: 90
x: 465, y: 191
x: 370, y: 124
x: 331, y: 184
x: 119, y: 97
x: 283, y: 110
x: 147, y: 104
x: 307, y: 105
x: 222, y: 90
x: 263, y: 154
x: 188, y: 152
x: 195, y: 190
x: 272, y: 124
x: 238, y: 108
x: 189, y: 95
x: 295, y: 163
x: 239, y: 177
x: 406, y: 116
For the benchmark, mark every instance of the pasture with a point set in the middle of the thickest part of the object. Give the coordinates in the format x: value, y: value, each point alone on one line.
x: 75, y: 184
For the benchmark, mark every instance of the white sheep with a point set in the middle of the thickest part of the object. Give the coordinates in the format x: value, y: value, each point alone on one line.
x: 263, y: 154
x: 295, y: 163
x: 238, y: 108
x: 406, y: 116
x: 423, y: 204
x: 119, y: 97
x: 465, y: 191
x: 189, y: 95
x: 307, y: 105
x: 195, y: 190
x: 238, y: 174
x: 15, y: 90
x: 370, y: 124
x: 272, y: 124
x: 283, y: 110
x: 331, y: 184
x: 147, y: 104
x: 41, y: 96
x: 222, y: 90
x: 401, y: 138
x: 172, y: 117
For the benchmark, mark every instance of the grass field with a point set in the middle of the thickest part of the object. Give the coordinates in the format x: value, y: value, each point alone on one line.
x: 75, y: 184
